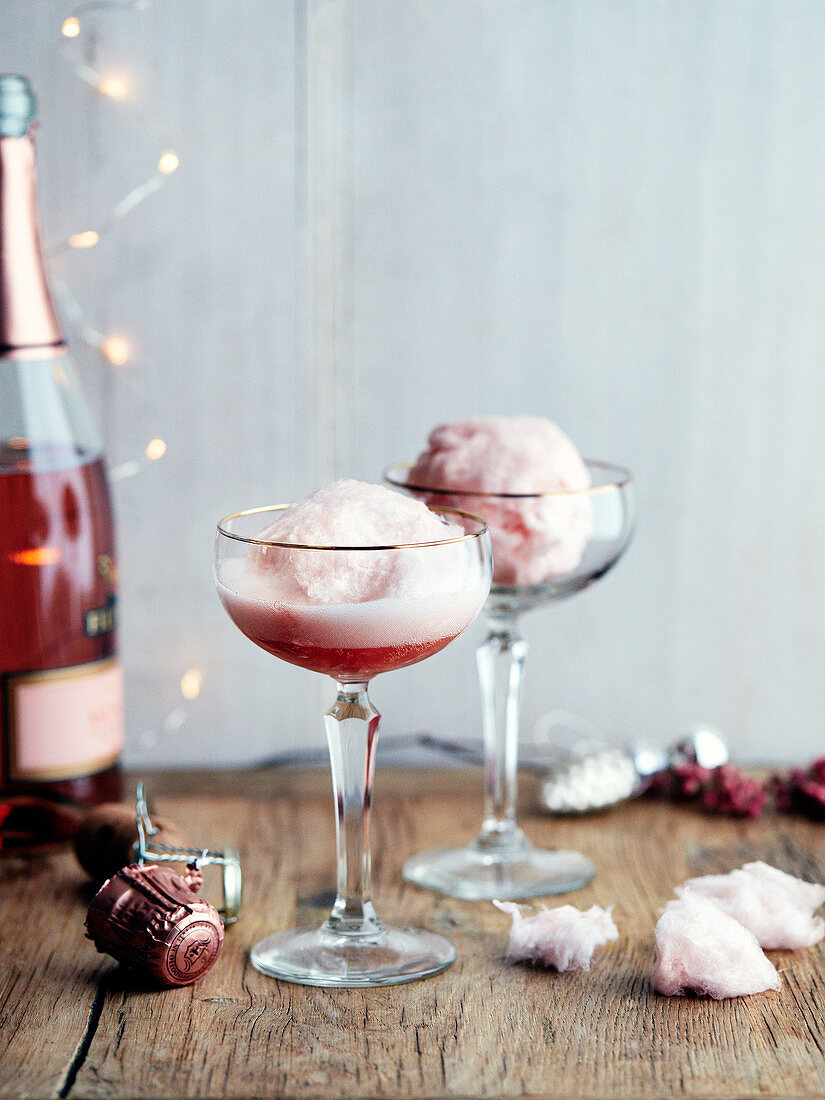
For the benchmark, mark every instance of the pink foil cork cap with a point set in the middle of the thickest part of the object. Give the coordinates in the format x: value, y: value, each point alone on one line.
x: 151, y: 919
x: 28, y: 321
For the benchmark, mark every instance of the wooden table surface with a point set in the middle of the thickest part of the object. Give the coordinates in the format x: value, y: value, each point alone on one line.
x: 73, y: 1024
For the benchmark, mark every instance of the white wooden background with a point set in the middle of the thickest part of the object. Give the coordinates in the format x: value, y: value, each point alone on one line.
x: 611, y: 213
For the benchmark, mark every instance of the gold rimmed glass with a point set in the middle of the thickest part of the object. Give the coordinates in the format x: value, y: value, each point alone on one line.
x: 323, y: 608
x: 546, y: 546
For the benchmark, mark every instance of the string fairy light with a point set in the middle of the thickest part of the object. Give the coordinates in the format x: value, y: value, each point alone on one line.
x: 70, y: 27
x: 114, y: 347
x: 190, y: 689
x: 168, y: 163
x: 88, y: 238
x: 113, y: 85
x: 190, y: 683
x: 155, y: 450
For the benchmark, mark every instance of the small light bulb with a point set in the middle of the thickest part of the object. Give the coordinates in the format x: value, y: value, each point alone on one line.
x: 71, y: 27
x: 156, y: 449
x: 113, y: 87
x: 116, y: 349
x: 168, y: 163
x: 87, y: 239
x: 190, y: 683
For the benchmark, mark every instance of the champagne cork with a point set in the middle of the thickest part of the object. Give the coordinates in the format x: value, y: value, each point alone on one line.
x: 107, y: 839
x: 153, y: 920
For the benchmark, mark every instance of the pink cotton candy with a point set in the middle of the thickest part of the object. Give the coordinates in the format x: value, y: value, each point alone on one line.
x: 700, y: 948
x: 355, y: 514
x: 500, y: 454
x: 564, y: 938
x: 776, y: 907
x: 533, y: 539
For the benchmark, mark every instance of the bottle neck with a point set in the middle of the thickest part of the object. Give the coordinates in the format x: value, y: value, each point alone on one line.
x: 28, y: 321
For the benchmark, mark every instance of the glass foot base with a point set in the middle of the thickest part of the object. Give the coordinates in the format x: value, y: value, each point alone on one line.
x: 320, y: 957
x: 475, y: 875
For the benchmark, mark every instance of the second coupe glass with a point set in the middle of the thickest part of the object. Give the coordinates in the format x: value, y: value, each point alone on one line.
x: 501, y: 862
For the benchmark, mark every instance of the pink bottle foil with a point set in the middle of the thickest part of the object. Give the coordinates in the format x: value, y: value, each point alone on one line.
x: 151, y: 919
x: 28, y: 322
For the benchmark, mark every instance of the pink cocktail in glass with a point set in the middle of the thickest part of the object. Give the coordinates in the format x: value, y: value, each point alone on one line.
x: 354, y: 641
x: 352, y: 612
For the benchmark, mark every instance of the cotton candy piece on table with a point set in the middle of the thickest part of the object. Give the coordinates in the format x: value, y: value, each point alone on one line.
x: 536, y: 538
x: 351, y: 513
x: 776, y: 907
x: 564, y: 938
x: 700, y: 948
x: 809, y: 895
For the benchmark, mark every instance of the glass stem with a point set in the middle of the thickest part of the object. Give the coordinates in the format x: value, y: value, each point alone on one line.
x: 500, y: 660
x: 352, y: 733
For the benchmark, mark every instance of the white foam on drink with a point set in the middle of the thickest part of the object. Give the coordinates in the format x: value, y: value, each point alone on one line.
x: 267, y: 604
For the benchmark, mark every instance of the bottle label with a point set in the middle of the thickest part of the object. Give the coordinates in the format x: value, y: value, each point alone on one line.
x: 64, y: 722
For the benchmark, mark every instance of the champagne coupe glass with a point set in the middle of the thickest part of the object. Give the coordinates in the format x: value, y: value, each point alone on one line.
x: 501, y: 862
x: 265, y: 586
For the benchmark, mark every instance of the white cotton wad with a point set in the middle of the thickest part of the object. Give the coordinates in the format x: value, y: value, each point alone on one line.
x: 564, y: 938
x: 535, y: 538
x: 700, y: 948
x: 776, y: 907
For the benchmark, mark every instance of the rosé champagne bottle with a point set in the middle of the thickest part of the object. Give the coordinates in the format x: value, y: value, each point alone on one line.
x: 61, y: 690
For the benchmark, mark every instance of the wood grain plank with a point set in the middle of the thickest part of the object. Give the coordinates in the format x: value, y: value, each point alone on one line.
x: 483, y: 1028
x: 49, y: 974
